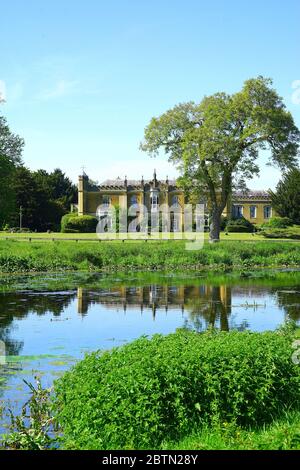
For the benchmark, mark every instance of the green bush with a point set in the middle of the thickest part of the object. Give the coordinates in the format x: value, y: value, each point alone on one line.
x: 239, y: 225
x: 280, y: 233
x: 278, y: 222
x: 163, y: 388
x: 65, y: 219
x: 79, y: 224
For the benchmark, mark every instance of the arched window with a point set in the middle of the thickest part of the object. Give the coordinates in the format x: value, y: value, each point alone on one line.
x: 106, y: 201
x: 154, y: 201
x: 134, y: 200
x: 175, y: 201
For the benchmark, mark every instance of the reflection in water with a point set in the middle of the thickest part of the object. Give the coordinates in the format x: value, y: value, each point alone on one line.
x: 14, y: 306
x: 206, y: 305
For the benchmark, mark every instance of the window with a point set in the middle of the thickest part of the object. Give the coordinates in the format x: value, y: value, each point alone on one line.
x: 237, y: 211
x: 175, y: 222
x: 253, y: 212
x: 175, y: 201
x: 134, y: 200
x: 154, y: 201
x: 106, y: 201
x: 267, y: 212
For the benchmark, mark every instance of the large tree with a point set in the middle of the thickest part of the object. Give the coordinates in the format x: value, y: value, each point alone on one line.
x: 58, y: 187
x: 286, y: 198
x: 216, y: 143
x: 40, y: 212
x: 11, y: 147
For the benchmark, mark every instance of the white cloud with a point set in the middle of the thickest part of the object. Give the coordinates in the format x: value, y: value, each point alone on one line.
x: 62, y: 88
x: 2, y: 91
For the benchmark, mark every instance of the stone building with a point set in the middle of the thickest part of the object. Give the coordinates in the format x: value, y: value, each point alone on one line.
x: 124, y: 193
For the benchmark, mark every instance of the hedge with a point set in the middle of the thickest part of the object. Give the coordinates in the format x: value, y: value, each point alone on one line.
x: 71, y: 223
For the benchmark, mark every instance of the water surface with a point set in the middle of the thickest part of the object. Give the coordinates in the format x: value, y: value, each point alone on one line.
x: 47, y: 324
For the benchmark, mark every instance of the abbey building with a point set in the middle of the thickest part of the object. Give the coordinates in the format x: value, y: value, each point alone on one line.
x: 124, y: 193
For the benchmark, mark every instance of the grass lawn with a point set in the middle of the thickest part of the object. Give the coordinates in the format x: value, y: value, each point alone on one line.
x: 93, y: 236
x: 282, y: 434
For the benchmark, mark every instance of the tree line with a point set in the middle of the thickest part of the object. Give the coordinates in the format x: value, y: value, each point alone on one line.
x: 40, y: 197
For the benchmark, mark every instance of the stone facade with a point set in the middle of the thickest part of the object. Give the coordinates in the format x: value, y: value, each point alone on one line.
x: 253, y: 205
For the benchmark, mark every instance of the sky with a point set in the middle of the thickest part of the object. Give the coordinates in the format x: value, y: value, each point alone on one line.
x: 82, y: 79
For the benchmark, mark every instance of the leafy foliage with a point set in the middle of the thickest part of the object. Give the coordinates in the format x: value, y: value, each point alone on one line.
x: 239, y: 225
x: 278, y: 222
x: 57, y: 187
x: 82, y: 224
x: 34, y: 429
x: 18, y: 256
x: 45, y: 197
x: 11, y: 147
x: 40, y: 210
x: 7, y: 199
x: 162, y: 388
x: 286, y: 198
x: 65, y: 219
x: 281, y: 233
x: 216, y: 143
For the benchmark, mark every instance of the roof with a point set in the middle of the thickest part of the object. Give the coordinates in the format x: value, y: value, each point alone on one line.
x: 120, y: 184
x: 251, y: 194
x: 132, y: 184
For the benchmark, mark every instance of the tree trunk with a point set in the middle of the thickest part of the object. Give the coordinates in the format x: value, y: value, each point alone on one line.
x: 215, y: 226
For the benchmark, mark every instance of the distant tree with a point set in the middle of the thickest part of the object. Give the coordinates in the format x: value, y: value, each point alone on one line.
x: 39, y: 211
x: 30, y: 197
x: 216, y: 143
x: 57, y: 186
x: 286, y: 198
x: 11, y: 147
x: 7, y: 196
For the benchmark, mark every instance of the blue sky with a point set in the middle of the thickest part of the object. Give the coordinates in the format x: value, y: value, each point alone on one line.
x: 82, y: 79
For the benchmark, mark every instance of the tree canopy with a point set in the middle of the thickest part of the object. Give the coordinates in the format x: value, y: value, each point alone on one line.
x: 286, y: 198
x: 11, y: 147
x: 216, y: 143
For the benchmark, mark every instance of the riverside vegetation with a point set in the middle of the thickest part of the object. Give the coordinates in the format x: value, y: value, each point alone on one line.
x: 184, y: 390
x: 20, y: 256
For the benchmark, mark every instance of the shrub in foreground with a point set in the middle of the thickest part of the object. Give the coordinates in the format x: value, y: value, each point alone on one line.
x: 158, y: 389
